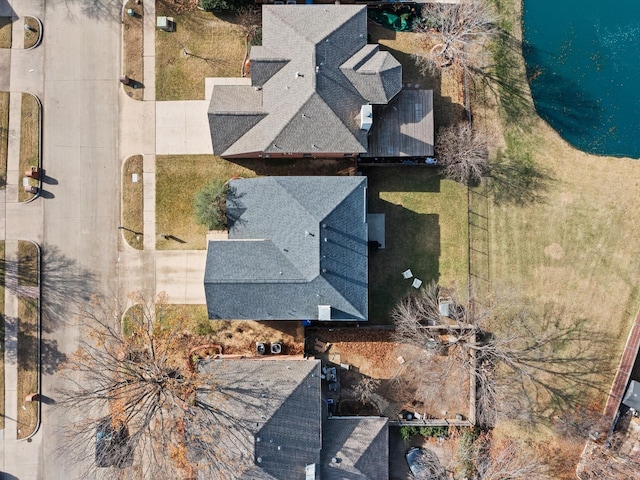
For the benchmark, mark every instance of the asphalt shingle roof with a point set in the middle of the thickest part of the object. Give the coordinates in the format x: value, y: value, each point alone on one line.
x: 294, y: 243
x: 312, y: 75
x: 361, y: 446
x: 275, y: 406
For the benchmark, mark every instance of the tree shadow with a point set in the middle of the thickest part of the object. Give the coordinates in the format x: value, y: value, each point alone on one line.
x: 63, y: 284
x: 518, y: 181
x: 505, y: 80
x: 554, y: 363
x: 103, y: 10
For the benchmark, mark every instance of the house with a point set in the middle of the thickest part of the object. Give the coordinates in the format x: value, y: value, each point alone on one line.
x: 313, y: 85
x: 297, y: 249
x: 279, y: 426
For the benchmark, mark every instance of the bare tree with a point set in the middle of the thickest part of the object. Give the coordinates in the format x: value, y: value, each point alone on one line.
x: 463, y: 153
x: 461, y: 31
x: 604, y: 460
x: 130, y: 378
x: 506, y: 460
x: 366, y: 387
x: 517, y: 355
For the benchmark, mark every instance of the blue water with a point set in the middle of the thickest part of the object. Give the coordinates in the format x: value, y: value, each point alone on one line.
x: 583, y: 65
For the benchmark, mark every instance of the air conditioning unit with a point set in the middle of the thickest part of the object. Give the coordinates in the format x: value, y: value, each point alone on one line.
x: 276, y: 348
x: 261, y: 348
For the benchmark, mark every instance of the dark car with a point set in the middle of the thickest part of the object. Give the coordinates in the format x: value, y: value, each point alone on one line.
x: 112, y: 447
x: 424, y: 464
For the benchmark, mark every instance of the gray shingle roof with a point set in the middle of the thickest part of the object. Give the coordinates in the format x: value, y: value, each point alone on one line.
x: 276, y: 405
x: 312, y: 74
x: 294, y: 243
x: 361, y: 445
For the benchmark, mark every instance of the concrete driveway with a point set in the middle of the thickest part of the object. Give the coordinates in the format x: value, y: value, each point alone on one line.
x: 180, y: 273
x: 183, y: 128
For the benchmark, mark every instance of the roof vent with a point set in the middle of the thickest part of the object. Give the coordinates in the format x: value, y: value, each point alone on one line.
x: 317, y: 68
x: 298, y: 75
x: 324, y: 270
x: 324, y: 225
x: 324, y: 312
x: 259, y: 459
x: 257, y: 88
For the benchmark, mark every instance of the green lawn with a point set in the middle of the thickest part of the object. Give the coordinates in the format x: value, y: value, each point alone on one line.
x: 178, y: 178
x: 426, y: 231
x: 4, y: 136
x: 203, y: 45
x: 29, y: 139
x: 132, y: 202
x: 27, y: 364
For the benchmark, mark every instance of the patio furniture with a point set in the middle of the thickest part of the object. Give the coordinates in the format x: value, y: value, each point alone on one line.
x: 407, y: 273
x: 416, y: 283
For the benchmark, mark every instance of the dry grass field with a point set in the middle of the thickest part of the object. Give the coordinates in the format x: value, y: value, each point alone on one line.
x: 29, y: 139
x: 133, y: 61
x: 5, y: 32
x: 562, y: 232
x: 132, y: 202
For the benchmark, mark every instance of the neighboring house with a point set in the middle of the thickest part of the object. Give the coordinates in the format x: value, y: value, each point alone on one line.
x: 313, y: 83
x: 297, y: 249
x: 278, y: 425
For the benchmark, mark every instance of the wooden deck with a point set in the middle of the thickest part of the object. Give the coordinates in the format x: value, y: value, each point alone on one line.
x: 404, y: 127
x: 623, y: 374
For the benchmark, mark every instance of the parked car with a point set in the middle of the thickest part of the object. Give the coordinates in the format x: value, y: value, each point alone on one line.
x: 112, y: 448
x: 424, y: 464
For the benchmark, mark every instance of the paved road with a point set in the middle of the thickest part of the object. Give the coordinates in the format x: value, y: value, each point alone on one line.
x: 80, y: 152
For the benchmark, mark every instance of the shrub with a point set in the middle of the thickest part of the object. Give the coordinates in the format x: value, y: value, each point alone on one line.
x: 429, y: 432
x: 407, y: 433
x: 209, y: 205
x: 224, y: 5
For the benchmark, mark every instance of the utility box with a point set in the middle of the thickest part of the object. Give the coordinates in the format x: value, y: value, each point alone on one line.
x: 165, y: 24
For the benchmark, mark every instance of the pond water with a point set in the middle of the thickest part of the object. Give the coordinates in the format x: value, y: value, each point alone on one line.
x: 583, y: 65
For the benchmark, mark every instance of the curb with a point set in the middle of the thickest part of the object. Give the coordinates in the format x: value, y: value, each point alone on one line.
x: 39, y: 41
x: 39, y: 148
x: 39, y: 338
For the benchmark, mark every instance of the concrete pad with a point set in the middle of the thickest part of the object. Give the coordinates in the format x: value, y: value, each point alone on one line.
x: 27, y: 70
x: 180, y: 273
x: 183, y: 128
x: 376, y: 223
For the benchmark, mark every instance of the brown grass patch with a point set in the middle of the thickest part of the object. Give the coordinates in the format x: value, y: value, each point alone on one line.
x: 133, y: 202
x: 433, y: 386
x: 29, y: 140
x: 5, y: 32
x: 2, y: 340
x: 134, y: 49
x: 27, y: 365
x: 31, y: 36
x: 4, y: 136
x: 203, y: 45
